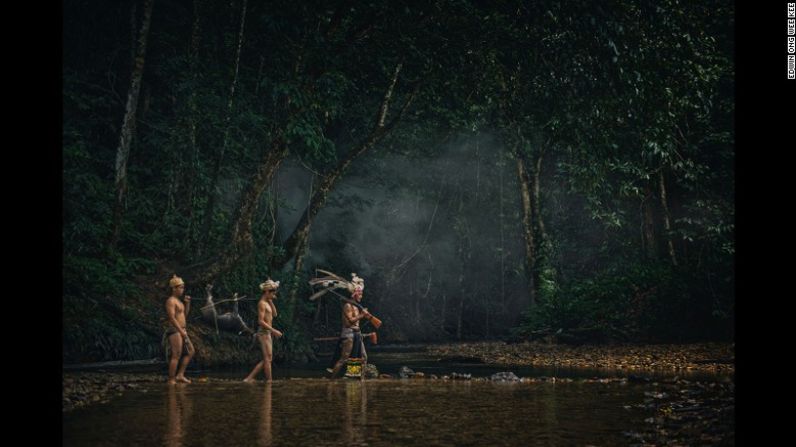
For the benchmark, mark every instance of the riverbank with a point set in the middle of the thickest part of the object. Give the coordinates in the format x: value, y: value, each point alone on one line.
x: 85, y: 388
x: 81, y: 388
x: 706, y: 357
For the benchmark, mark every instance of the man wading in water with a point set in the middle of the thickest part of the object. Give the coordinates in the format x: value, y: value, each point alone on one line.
x: 351, y: 343
x: 266, y: 311
x: 176, y: 332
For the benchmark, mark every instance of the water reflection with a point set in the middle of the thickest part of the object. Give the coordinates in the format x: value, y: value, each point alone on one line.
x: 355, y: 413
x: 547, y: 409
x: 178, y: 413
x: 265, y: 433
x: 352, y: 413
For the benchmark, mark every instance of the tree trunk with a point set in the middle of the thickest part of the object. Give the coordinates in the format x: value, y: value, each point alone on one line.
x: 302, y: 231
x: 193, y: 116
x: 459, y: 318
x: 486, y: 307
x: 465, y: 256
x: 666, y: 218
x: 380, y: 130
x: 502, y: 239
x: 211, y: 202
x: 298, y: 264
x: 648, y: 242
x: 128, y: 125
x: 537, y: 201
x: 294, y: 286
x: 241, y: 241
x: 317, y: 316
x: 133, y: 32
x: 444, y: 304
x: 527, y: 226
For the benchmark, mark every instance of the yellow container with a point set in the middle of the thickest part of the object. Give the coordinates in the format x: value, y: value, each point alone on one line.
x: 353, y: 368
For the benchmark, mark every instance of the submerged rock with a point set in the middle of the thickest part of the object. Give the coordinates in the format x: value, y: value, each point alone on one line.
x: 405, y: 372
x: 506, y: 376
x: 371, y: 371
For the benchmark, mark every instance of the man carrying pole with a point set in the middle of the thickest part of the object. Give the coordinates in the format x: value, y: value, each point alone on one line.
x: 351, y: 344
x: 351, y: 347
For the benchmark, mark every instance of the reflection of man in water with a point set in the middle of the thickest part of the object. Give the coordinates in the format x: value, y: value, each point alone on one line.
x: 266, y: 311
x: 179, y: 410
x: 266, y: 438
x: 354, y: 432
x: 351, y: 343
x: 177, y: 334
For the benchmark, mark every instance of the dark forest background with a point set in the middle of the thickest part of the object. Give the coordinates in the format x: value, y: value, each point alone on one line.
x: 494, y: 170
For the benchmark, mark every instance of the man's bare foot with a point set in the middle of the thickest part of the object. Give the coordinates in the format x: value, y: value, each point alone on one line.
x: 248, y: 380
x: 184, y: 379
x: 172, y: 382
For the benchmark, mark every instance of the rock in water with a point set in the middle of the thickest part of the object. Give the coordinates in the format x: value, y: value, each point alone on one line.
x: 371, y: 372
x: 506, y: 376
x: 405, y: 372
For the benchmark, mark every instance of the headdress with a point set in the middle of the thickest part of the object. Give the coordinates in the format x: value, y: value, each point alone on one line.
x: 269, y: 284
x: 175, y: 281
x: 332, y: 281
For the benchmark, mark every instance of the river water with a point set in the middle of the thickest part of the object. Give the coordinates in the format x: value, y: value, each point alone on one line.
x: 301, y: 408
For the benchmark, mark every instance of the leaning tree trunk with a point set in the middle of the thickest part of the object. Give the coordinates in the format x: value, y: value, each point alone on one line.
x: 211, y: 201
x: 128, y: 125
x: 667, y: 225
x: 298, y: 239
x: 295, y: 243
x: 241, y: 241
x: 527, y: 226
x: 298, y: 264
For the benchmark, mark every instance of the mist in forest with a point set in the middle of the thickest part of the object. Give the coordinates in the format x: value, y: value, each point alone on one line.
x: 425, y: 233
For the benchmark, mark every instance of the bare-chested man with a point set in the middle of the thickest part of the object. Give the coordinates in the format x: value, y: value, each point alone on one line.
x: 177, y: 334
x: 266, y: 311
x: 350, y: 336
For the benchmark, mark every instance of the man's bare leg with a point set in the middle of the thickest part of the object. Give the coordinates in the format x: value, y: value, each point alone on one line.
x: 175, y: 344
x: 345, y: 352
x: 364, y: 361
x: 251, y: 377
x: 185, y: 360
x: 267, y: 357
x: 255, y: 371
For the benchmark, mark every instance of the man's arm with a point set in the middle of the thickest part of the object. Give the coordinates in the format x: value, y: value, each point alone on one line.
x: 187, y: 301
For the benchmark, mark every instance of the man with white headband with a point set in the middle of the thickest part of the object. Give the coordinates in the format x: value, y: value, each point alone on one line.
x: 351, y: 343
x: 177, y: 333
x: 266, y: 311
